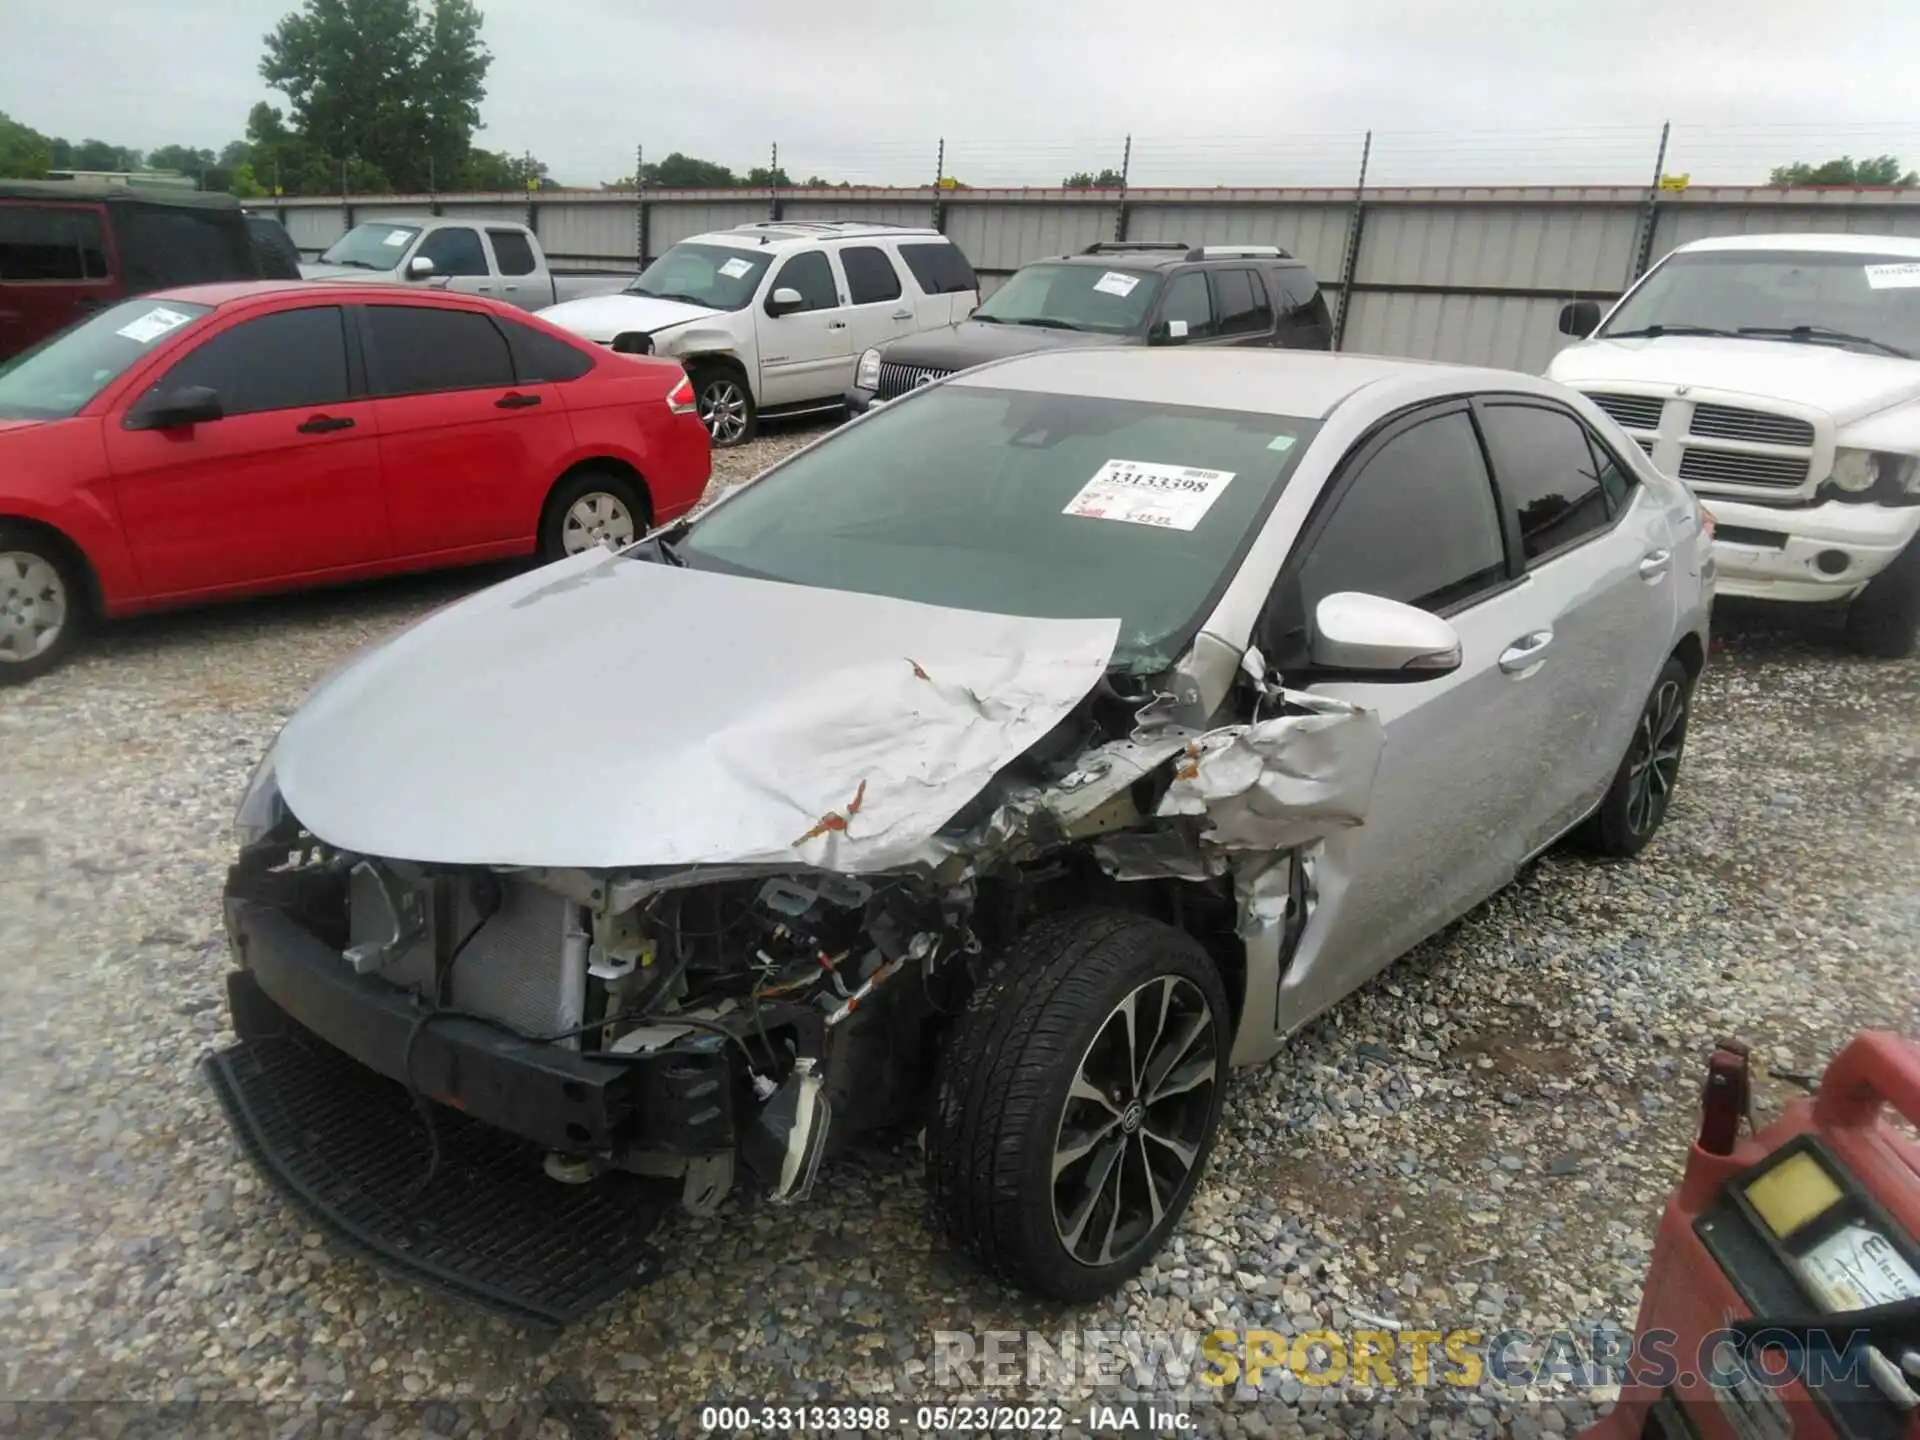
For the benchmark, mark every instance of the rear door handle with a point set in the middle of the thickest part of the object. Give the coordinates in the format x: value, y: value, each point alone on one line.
x: 836, y: 324
x: 322, y: 424
x: 1655, y: 564
x: 1526, y: 654
x: 515, y: 400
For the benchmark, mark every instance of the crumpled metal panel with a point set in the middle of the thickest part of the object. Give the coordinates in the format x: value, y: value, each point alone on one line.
x: 607, y: 713
x: 1279, y: 783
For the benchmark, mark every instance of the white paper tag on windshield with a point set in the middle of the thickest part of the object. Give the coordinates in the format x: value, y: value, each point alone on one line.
x: 397, y: 237
x: 1905, y: 276
x: 152, y: 325
x: 1856, y: 1267
x: 735, y: 268
x: 1172, y: 497
x: 1114, y: 283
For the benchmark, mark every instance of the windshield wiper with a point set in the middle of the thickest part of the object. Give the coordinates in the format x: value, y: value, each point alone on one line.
x: 986, y: 319
x: 1822, y: 335
x: 663, y: 541
x: 1654, y: 332
x: 671, y: 295
x: 1045, y: 324
x: 356, y: 264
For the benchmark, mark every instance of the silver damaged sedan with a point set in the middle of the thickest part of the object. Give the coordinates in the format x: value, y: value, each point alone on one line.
x: 1000, y: 769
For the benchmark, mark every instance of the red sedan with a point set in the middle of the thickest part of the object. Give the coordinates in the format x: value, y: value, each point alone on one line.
x: 225, y: 440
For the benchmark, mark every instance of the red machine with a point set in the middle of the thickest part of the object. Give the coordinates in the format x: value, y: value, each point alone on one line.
x: 1784, y: 1298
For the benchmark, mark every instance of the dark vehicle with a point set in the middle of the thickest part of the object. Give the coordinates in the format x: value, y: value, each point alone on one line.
x: 71, y: 247
x: 1119, y: 292
x: 279, y: 257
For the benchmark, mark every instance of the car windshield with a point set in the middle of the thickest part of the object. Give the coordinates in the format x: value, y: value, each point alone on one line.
x: 1074, y: 297
x: 371, y: 247
x: 720, y: 277
x: 1859, y: 302
x: 63, y: 372
x: 1020, y: 503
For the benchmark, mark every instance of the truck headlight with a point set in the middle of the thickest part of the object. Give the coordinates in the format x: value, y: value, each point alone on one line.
x: 261, y: 808
x: 1854, y: 471
x: 867, y: 375
x: 1873, y: 475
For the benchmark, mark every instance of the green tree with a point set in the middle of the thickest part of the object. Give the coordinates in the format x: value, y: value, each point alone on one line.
x: 382, y: 84
x: 1084, y: 180
x: 241, y: 181
x: 761, y: 178
x: 1877, y: 170
x: 24, y: 153
x: 685, y: 172
x: 497, y: 170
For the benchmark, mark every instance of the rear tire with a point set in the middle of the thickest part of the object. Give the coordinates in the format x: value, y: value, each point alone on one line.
x: 592, y: 507
x: 43, y: 604
x: 1884, y: 618
x: 724, y: 402
x: 1065, y: 1144
x: 1636, y: 803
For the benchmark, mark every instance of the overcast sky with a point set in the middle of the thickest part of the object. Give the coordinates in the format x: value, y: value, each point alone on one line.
x: 1213, y: 93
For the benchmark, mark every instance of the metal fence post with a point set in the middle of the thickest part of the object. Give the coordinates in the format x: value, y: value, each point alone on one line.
x: 1120, y: 215
x: 939, y: 193
x: 773, y: 184
x: 640, y: 206
x: 1350, y: 263
x: 1643, y: 250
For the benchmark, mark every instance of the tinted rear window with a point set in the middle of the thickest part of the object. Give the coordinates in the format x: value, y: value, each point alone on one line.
x: 939, y: 267
x: 511, y: 250
x: 160, y: 246
x: 414, y: 350
x: 540, y: 356
x: 51, y: 242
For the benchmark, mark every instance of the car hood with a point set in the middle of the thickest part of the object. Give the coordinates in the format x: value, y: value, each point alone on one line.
x: 606, y: 712
x: 602, y: 317
x: 1844, y: 383
x: 346, y: 272
x: 974, y: 342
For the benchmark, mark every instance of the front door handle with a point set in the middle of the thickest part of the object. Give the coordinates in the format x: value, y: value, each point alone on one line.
x: 1655, y: 564
x: 903, y: 314
x: 515, y: 400
x: 1526, y: 654
x: 322, y: 424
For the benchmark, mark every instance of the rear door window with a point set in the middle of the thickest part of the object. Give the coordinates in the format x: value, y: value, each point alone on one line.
x: 416, y: 350
x: 513, y: 251
x: 811, y: 275
x: 455, y: 251
x: 1548, y: 475
x: 1188, y: 300
x: 51, y: 243
x: 1242, y: 302
x: 289, y: 360
x: 871, y: 277
x: 938, y: 267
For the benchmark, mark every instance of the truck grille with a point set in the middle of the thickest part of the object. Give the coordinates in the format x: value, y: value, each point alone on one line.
x: 1727, y: 467
x: 1631, y: 412
x: 1725, y: 422
x: 896, y: 380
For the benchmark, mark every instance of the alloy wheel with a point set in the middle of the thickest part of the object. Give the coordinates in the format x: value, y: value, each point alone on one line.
x: 723, y: 410
x: 596, y: 519
x: 1655, y: 763
x: 33, y: 606
x: 1135, y: 1122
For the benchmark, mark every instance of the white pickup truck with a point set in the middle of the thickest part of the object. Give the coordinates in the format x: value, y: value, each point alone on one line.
x: 1779, y: 377
x: 477, y: 257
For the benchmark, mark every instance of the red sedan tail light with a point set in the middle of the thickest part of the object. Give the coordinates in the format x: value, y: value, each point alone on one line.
x: 680, y: 398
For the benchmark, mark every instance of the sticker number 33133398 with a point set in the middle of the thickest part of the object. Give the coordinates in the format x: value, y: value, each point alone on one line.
x: 1172, y: 497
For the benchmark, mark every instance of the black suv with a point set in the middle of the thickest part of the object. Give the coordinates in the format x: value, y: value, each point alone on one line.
x: 1119, y: 292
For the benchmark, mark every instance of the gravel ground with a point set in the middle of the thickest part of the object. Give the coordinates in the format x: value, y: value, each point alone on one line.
x: 1483, y: 1136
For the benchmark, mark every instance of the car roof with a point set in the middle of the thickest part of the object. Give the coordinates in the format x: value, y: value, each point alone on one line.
x: 791, y: 234
x: 1166, y: 259
x: 337, y: 291
x: 1831, y: 244
x: 1305, y: 384
x: 107, y: 191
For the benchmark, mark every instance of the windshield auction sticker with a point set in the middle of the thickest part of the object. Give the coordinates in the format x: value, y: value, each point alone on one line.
x: 1893, y: 277
x: 1172, y: 497
x: 152, y: 325
x: 397, y: 238
x: 1115, y: 283
x: 735, y: 268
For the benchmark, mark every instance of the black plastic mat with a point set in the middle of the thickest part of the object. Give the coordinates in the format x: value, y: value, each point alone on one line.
x: 347, y: 1146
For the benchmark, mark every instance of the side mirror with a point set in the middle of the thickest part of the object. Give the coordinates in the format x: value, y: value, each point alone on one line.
x: 188, y: 405
x: 1580, y: 318
x: 1169, y: 332
x: 419, y: 267
x: 785, y: 301
x: 1365, y: 637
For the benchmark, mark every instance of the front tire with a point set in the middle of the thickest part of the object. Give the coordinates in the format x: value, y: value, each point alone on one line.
x: 725, y: 405
x: 43, y: 606
x: 1636, y: 803
x: 1884, y: 618
x: 1077, y: 1102
x: 592, y: 508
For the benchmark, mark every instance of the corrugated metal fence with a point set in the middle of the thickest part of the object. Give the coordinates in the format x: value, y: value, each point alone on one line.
x: 1445, y: 274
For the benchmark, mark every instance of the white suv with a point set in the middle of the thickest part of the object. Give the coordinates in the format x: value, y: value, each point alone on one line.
x: 768, y: 319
